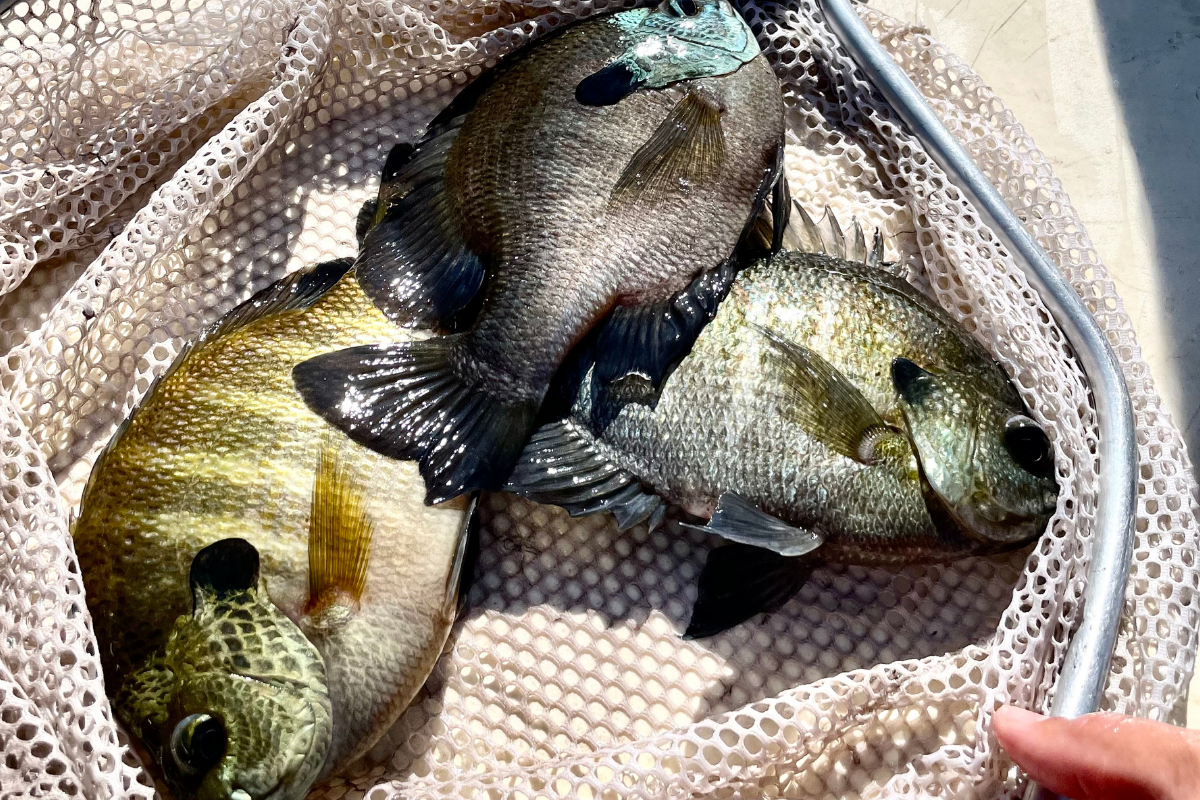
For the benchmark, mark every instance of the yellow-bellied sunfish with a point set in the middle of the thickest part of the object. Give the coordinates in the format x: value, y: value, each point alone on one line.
x: 268, y: 594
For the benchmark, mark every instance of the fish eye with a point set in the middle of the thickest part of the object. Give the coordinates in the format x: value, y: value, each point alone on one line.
x: 681, y: 8
x: 1029, y: 446
x: 198, y: 743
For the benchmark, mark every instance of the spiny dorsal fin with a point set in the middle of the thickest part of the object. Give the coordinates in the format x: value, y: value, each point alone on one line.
x: 822, y: 401
x: 811, y: 237
x: 339, y: 541
x: 466, y: 556
x: 414, y: 262
x: 875, y: 259
x: 688, y: 145
x: 858, y: 249
x: 837, y: 239
x: 299, y: 290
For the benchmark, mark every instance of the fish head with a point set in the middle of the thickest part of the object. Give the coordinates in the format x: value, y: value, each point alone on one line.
x: 674, y: 41
x: 988, y: 462
x: 235, y: 706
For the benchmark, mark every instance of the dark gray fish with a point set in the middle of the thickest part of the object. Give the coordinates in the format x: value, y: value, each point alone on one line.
x: 611, y: 169
x: 830, y: 411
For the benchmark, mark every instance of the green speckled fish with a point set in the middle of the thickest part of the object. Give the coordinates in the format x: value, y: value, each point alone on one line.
x: 268, y: 595
x: 830, y: 412
x: 610, y: 169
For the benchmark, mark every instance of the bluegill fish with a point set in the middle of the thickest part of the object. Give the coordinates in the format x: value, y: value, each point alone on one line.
x: 610, y: 169
x: 829, y: 412
x: 268, y: 595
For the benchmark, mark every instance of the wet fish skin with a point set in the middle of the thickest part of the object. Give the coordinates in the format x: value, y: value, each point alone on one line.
x: 717, y: 426
x: 224, y: 448
x: 559, y: 212
x: 926, y: 472
x: 612, y: 254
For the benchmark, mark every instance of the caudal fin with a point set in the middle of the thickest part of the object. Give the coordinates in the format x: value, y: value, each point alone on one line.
x: 562, y: 466
x: 406, y: 401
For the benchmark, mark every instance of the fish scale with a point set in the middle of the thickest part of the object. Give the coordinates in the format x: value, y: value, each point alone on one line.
x: 829, y: 411
x: 224, y: 447
x: 602, y: 173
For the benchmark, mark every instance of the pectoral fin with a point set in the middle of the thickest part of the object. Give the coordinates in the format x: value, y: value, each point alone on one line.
x: 688, y: 146
x: 739, y: 520
x: 822, y: 401
x: 339, y: 543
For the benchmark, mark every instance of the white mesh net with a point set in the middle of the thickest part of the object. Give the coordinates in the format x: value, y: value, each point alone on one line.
x: 163, y: 159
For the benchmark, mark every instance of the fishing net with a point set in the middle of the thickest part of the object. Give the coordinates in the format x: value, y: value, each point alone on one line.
x: 163, y: 159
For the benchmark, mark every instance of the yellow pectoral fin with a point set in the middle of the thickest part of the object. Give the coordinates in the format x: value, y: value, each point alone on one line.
x: 339, y: 543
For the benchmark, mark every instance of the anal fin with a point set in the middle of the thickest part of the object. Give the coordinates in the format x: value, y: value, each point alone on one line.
x: 738, y: 520
x: 650, y: 340
x: 339, y: 544
x: 740, y: 581
x: 781, y: 211
x: 647, y: 341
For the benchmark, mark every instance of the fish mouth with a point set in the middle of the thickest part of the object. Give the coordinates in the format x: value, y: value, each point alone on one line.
x: 1011, y: 532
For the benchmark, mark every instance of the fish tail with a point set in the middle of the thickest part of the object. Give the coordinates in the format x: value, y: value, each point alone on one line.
x: 411, y: 401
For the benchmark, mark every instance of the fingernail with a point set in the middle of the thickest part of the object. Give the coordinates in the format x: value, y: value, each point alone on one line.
x: 1016, y: 717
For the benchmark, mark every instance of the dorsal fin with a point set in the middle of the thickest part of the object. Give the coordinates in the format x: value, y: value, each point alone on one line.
x: 414, y: 262
x: 811, y: 237
x: 299, y: 290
